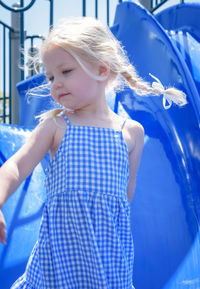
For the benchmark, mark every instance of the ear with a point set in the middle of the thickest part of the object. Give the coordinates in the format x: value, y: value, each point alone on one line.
x: 104, y: 70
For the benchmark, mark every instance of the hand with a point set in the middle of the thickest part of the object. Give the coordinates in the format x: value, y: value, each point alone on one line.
x: 2, y: 229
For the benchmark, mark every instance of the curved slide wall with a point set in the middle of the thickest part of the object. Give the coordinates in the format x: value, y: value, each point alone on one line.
x: 182, y: 23
x: 165, y: 211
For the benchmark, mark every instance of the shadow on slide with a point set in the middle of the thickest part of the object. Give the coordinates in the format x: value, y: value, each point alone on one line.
x: 165, y: 211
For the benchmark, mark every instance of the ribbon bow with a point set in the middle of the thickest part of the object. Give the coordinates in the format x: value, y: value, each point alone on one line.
x: 178, y: 98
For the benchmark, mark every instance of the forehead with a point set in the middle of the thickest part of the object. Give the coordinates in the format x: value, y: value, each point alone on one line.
x: 57, y: 56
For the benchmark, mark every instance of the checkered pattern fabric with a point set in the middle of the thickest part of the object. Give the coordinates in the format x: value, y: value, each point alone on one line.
x: 85, y: 240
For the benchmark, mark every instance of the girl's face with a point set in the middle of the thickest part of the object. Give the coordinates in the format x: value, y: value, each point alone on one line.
x: 71, y: 86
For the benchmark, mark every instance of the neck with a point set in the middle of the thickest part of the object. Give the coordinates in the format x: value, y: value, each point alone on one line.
x: 98, y: 109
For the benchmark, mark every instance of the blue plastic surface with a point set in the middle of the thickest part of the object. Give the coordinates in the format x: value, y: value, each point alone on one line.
x: 182, y: 22
x: 34, y: 99
x: 22, y: 211
x: 165, y: 212
x: 166, y: 207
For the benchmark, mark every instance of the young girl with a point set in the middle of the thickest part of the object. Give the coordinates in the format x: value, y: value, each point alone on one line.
x: 85, y: 239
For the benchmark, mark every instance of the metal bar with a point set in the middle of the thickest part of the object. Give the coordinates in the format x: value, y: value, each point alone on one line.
x: 0, y: 85
x: 13, y: 39
x: 7, y: 26
x: 6, y: 63
x: 84, y: 7
x: 15, y: 71
x: 151, y: 4
x: 4, y: 74
x: 96, y: 8
x: 31, y: 56
x: 10, y: 78
x: 108, y: 12
x: 22, y: 40
x: 17, y: 9
x: 39, y: 36
x: 51, y: 15
x: 158, y: 6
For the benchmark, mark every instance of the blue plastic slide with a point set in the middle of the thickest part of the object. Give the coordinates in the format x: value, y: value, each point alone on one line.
x: 22, y: 211
x: 165, y: 211
x: 166, y: 207
x: 34, y: 99
x: 182, y: 23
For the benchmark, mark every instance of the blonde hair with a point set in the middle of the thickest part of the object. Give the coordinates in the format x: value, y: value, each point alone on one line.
x: 88, y: 40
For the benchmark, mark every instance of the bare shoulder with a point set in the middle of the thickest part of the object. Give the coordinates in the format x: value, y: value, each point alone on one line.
x: 35, y: 148
x: 135, y: 127
x: 46, y: 127
x: 60, y: 122
x: 43, y: 135
x: 135, y: 134
x: 51, y: 126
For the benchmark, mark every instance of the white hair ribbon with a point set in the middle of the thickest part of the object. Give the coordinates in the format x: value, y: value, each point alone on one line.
x: 179, y: 98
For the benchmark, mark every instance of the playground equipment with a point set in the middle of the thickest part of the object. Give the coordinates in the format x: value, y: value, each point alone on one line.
x: 182, y: 24
x: 165, y: 211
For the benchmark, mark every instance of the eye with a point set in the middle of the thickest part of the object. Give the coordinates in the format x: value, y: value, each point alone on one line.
x: 66, y: 71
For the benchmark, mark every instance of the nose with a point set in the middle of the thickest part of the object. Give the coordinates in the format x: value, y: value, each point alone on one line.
x: 57, y: 84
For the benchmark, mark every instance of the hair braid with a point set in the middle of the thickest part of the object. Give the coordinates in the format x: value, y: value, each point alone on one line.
x: 140, y: 86
x: 144, y: 88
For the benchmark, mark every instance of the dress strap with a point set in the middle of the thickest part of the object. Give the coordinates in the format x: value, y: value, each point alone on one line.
x: 123, y: 123
x: 66, y: 118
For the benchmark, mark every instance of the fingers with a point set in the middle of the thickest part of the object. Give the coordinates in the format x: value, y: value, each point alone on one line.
x: 3, y: 236
x: 2, y: 229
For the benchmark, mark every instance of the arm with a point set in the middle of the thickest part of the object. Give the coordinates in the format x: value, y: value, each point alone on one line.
x: 22, y: 163
x: 137, y: 136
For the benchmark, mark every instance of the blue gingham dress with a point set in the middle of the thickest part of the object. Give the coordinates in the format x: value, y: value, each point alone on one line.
x: 85, y: 239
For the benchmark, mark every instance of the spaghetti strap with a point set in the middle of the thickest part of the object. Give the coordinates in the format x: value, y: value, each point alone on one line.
x: 66, y: 118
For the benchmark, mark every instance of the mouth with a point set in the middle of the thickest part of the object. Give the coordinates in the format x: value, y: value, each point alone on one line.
x: 62, y: 95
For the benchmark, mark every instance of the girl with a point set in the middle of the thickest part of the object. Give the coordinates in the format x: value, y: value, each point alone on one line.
x: 85, y: 238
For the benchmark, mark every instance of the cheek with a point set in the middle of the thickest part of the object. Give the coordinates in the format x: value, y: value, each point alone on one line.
x: 78, y: 86
x: 52, y: 92
x: 86, y: 85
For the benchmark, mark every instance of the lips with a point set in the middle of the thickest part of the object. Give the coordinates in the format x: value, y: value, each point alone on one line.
x: 62, y: 95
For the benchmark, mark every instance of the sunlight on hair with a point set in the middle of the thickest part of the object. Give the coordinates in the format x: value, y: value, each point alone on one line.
x: 42, y: 90
x: 90, y: 41
x: 170, y: 94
